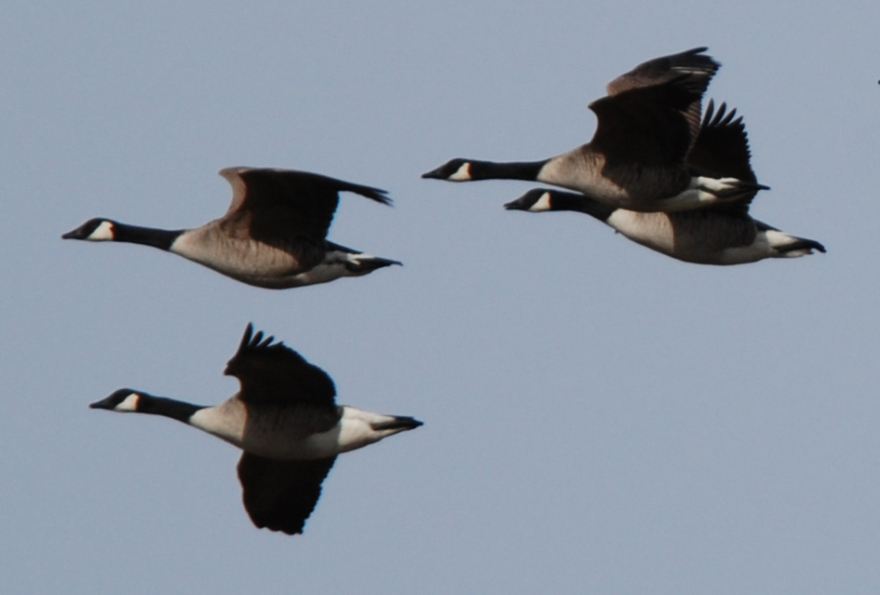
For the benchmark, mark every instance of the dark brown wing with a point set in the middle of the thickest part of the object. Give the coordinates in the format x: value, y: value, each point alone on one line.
x: 280, y: 495
x: 722, y: 149
x: 274, y: 373
x: 647, y: 126
x: 664, y: 69
x: 697, y: 68
x: 286, y: 203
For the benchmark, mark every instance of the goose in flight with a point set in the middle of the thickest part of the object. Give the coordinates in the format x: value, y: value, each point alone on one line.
x: 285, y: 419
x: 647, y: 124
x: 273, y: 235
x: 721, y: 234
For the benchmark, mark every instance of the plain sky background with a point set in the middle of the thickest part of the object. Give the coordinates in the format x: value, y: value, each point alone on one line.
x: 599, y: 418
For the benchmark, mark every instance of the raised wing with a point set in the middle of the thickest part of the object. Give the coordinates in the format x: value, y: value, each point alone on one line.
x: 280, y: 495
x: 722, y: 147
x: 284, y: 203
x: 663, y: 97
x: 667, y: 68
x: 274, y: 373
x: 647, y: 126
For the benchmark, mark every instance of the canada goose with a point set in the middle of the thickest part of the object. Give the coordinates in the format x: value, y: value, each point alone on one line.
x: 722, y: 234
x: 636, y: 160
x: 272, y: 236
x: 286, y: 421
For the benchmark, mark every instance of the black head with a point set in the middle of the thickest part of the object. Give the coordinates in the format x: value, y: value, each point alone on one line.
x: 457, y: 170
x: 539, y: 200
x: 123, y: 395
x: 535, y: 200
x: 93, y: 229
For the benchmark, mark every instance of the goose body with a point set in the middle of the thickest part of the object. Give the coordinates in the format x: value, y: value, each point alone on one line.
x: 636, y: 160
x: 286, y: 421
x: 704, y: 236
x: 722, y: 234
x: 273, y: 235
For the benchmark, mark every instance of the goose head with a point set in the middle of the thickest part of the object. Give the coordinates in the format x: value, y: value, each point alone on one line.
x: 93, y: 230
x: 533, y: 201
x: 123, y: 400
x: 456, y: 170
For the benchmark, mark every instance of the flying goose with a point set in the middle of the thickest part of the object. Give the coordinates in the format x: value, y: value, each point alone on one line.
x: 286, y: 421
x: 636, y: 160
x: 722, y: 234
x: 272, y: 236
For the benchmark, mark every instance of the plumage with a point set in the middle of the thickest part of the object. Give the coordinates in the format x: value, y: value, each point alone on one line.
x: 720, y: 234
x: 273, y: 235
x: 636, y: 159
x: 286, y: 421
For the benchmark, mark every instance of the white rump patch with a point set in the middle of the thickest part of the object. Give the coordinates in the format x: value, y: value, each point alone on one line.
x: 463, y: 174
x: 703, y: 191
x: 356, y: 430
x: 102, y: 233
x: 715, y: 185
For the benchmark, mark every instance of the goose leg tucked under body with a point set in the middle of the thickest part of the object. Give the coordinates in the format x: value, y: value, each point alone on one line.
x: 284, y: 419
x: 273, y: 235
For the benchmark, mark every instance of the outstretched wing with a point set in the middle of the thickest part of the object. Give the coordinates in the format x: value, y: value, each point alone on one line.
x: 283, y: 203
x: 652, y: 113
x: 280, y: 495
x: 274, y: 373
x: 664, y: 69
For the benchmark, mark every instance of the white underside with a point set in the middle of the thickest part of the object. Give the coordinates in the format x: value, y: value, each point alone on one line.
x: 654, y: 231
x: 766, y: 245
x: 264, y: 266
x: 272, y: 438
x: 332, y: 267
x: 701, y: 192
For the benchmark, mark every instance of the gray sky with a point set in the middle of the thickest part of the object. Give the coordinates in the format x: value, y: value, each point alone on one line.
x: 599, y: 418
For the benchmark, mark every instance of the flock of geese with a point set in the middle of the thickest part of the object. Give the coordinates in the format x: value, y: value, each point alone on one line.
x: 657, y: 170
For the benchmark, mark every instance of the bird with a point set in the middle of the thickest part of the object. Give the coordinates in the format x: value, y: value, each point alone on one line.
x: 286, y: 421
x: 636, y: 159
x: 724, y: 234
x: 272, y: 236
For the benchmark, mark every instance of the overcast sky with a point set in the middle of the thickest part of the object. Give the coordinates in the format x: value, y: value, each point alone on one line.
x: 599, y: 418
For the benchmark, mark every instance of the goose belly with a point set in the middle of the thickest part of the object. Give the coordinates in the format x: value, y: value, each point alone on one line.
x: 247, y: 260
x: 295, y: 438
x: 652, y: 230
x: 628, y: 186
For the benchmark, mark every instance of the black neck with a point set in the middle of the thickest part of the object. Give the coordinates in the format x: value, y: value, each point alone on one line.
x: 158, y: 238
x: 569, y: 201
x: 518, y: 170
x: 168, y: 407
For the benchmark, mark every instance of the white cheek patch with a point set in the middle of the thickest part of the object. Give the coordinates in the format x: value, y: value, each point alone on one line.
x: 102, y: 233
x: 542, y: 204
x: 463, y: 174
x: 129, y: 404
